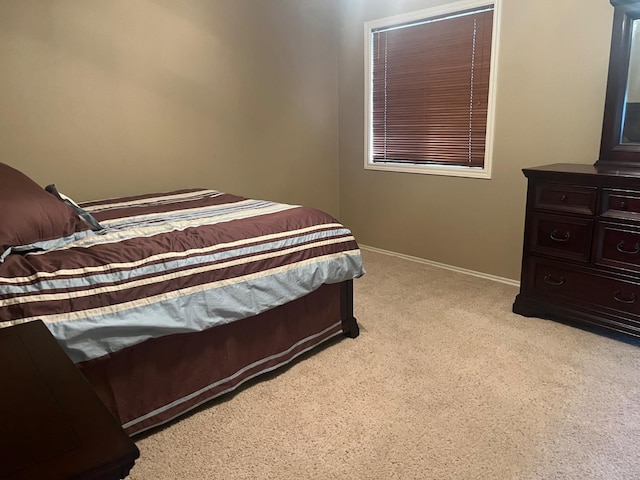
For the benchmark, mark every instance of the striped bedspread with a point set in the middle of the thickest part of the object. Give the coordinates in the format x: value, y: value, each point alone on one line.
x: 173, y: 263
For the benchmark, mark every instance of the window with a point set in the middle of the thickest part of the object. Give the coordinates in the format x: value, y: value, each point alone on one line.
x: 428, y: 96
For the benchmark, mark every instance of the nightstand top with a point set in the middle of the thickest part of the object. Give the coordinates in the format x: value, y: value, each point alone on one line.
x: 53, y: 424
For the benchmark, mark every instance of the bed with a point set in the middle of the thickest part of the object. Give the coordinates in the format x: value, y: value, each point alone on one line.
x: 167, y: 300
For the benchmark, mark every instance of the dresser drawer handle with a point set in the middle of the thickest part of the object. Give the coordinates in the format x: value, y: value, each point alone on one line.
x: 618, y: 298
x: 554, y: 236
x: 620, y: 248
x: 623, y: 205
x: 564, y: 198
x: 548, y: 278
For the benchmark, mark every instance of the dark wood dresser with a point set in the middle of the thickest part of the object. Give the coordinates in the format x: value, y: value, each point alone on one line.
x: 581, y: 255
x: 53, y: 426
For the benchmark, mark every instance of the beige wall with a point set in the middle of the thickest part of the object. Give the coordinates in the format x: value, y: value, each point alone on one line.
x: 115, y: 97
x: 550, y: 97
x: 261, y: 98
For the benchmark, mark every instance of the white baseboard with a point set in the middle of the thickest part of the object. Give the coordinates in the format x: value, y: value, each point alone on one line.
x: 487, y: 276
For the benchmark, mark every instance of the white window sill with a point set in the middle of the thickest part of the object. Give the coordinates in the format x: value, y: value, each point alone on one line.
x: 451, y: 171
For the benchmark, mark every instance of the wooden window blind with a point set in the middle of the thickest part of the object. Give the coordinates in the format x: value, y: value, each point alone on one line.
x: 430, y: 90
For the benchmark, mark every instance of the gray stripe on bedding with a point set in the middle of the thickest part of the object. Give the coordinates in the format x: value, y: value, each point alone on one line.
x: 94, y: 281
x: 96, y: 334
x: 112, y: 235
x: 47, y: 244
x: 194, y: 213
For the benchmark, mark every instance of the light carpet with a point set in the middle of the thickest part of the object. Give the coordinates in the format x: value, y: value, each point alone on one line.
x: 444, y: 382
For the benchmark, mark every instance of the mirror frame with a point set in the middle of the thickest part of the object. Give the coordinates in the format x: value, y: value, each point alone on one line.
x: 612, y: 151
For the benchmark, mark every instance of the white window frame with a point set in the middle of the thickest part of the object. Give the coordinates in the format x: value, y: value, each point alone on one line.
x: 449, y: 170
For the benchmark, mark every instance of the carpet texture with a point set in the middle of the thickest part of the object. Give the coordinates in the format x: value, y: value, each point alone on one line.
x: 444, y: 382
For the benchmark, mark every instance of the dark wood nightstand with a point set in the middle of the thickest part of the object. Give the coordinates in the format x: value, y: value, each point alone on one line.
x: 52, y: 424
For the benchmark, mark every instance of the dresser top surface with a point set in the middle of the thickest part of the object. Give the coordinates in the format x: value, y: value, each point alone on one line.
x: 585, y: 169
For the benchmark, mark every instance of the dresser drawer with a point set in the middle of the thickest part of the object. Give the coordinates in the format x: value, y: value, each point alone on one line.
x: 620, y: 204
x: 618, y: 246
x: 565, y: 198
x: 560, y: 236
x: 586, y: 289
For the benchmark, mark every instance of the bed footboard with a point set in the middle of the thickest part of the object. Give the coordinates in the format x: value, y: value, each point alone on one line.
x: 350, y: 326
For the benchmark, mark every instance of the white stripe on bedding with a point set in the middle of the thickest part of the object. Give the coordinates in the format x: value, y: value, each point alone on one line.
x: 154, y: 200
x: 296, y: 267
x: 112, y: 236
x: 98, y: 334
x: 194, y: 213
x: 177, y: 255
x: 127, y: 284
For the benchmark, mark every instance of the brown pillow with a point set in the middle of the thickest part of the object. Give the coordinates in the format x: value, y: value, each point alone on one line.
x: 29, y: 214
